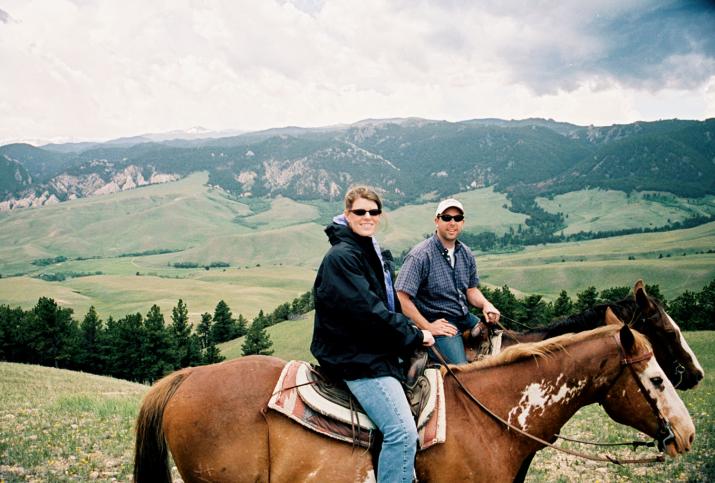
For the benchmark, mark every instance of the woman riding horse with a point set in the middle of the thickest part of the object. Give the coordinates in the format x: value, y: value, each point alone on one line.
x: 359, y: 333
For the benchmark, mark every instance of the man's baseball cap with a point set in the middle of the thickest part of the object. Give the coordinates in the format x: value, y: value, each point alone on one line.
x: 444, y: 205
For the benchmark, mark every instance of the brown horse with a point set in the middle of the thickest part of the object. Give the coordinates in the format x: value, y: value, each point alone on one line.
x: 644, y: 314
x: 215, y: 422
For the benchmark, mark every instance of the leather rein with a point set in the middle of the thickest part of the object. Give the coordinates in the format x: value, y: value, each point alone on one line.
x: 664, y: 431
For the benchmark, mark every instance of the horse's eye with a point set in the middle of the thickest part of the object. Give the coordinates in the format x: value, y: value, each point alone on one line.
x: 657, y: 381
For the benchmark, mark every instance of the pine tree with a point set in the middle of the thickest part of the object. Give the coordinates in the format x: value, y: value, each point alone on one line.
x: 706, y: 307
x: 684, y: 309
x: 203, y: 330
x: 187, y: 350
x: 13, y: 334
x: 224, y: 326
x: 157, y: 357
x: 210, y: 353
x: 614, y: 294
x: 586, y: 299
x: 563, y: 307
x: 127, y: 347
x: 509, y: 306
x: 53, y: 335
x: 257, y: 340
x: 241, y: 326
x: 536, y: 311
x: 90, y: 352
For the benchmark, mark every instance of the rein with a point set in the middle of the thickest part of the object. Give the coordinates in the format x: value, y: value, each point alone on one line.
x: 607, y: 458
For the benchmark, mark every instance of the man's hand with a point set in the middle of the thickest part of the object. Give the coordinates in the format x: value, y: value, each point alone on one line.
x: 428, y: 338
x: 491, y: 314
x: 442, y: 327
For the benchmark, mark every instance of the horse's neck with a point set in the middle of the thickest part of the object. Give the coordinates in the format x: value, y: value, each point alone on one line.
x: 539, y: 395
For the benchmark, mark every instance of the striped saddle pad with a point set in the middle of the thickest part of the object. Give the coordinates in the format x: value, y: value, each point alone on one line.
x: 296, y: 396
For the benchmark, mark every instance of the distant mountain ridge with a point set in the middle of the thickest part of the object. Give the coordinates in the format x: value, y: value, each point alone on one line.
x: 406, y: 158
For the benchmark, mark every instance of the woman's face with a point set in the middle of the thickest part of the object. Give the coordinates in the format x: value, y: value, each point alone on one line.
x: 365, y: 225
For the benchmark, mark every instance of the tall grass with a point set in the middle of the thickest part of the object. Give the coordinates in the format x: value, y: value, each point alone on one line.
x: 58, y: 425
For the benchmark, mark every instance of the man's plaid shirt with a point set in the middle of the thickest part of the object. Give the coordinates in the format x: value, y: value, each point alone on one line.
x: 436, y: 288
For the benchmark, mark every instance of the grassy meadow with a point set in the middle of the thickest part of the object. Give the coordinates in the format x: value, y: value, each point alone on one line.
x: 274, y: 246
x: 607, y: 210
x: 58, y: 425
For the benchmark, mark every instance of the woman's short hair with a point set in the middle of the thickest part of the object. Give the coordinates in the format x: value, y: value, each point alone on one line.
x: 361, y: 191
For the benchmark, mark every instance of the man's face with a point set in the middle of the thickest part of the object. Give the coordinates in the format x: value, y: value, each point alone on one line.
x: 449, y: 230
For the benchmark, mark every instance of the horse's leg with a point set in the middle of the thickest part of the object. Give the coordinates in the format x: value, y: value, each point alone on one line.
x: 298, y: 454
x: 521, y: 475
x: 214, y: 424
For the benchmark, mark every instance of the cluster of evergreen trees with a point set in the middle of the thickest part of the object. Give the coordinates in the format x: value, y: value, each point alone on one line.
x: 145, y: 348
x: 690, y: 310
x: 135, y: 347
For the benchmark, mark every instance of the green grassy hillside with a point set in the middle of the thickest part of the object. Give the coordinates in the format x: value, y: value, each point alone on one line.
x: 607, y: 210
x: 274, y: 246
x: 291, y: 340
x: 246, y: 291
x: 58, y: 425
x: 608, y: 262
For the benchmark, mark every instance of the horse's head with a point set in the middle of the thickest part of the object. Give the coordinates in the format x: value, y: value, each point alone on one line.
x: 671, y: 350
x: 641, y: 396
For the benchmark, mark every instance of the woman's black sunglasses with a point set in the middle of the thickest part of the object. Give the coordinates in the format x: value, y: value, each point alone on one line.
x: 361, y: 212
x: 449, y: 218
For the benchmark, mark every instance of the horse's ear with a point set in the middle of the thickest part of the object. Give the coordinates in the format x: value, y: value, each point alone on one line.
x: 611, y: 318
x: 627, y: 338
x: 641, y: 296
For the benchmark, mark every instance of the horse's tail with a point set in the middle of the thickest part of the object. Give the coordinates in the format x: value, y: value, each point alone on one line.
x: 151, y: 456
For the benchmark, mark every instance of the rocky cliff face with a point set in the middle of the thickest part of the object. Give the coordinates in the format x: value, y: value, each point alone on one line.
x: 71, y: 186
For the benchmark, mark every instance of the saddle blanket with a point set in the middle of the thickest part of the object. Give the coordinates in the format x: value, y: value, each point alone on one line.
x: 295, y: 397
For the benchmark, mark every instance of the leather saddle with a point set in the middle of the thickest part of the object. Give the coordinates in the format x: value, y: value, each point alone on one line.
x: 333, y: 398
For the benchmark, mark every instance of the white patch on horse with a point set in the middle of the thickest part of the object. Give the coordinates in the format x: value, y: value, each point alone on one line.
x: 370, y: 477
x: 686, y: 347
x: 538, y: 396
x: 666, y: 398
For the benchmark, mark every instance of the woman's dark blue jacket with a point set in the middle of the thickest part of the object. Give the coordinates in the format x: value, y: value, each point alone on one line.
x: 355, y: 335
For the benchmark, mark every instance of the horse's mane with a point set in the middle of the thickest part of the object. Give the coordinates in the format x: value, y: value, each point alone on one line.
x: 588, y: 319
x: 543, y: 348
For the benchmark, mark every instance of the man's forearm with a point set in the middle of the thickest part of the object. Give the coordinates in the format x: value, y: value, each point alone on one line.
x: 410, y: 310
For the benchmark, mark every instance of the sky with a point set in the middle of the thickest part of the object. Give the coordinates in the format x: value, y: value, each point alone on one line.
x: 75, y: 70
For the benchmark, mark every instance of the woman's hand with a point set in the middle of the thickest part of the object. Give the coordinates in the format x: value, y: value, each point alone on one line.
x: 428, y: 338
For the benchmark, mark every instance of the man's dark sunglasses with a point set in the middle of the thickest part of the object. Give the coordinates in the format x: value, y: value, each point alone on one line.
x: 361, y: 212
x: 449, y: 218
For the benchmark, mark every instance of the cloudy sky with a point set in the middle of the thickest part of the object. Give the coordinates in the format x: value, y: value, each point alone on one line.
x: 100, y: 69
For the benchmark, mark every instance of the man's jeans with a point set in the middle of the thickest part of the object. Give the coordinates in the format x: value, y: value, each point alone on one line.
x: 452, y: 347
x: 385, y: 403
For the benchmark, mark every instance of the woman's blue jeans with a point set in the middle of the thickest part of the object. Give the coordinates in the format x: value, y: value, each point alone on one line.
x: 384, y: 401
x: 452, y: 347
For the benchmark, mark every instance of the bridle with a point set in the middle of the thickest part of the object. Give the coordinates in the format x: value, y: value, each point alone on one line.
x: 664, y: 433
x: 640, y: 317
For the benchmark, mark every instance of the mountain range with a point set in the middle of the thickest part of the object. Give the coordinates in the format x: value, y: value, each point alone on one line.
x: 410, y: 158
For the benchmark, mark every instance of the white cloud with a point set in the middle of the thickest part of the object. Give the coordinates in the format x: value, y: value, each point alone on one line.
x: 101, y: 69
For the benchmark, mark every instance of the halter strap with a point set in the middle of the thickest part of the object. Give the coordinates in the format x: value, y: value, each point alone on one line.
x: 665, y: 432
x: 630, y: 360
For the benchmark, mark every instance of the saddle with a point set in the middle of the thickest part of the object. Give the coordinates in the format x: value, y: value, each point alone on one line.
x: 306, y: 396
